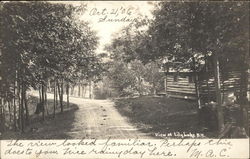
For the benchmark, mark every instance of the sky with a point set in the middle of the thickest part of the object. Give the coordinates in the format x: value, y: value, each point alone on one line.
x: 108, y: 17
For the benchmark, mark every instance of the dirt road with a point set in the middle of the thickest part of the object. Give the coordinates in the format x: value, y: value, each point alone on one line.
x: 94, y: 119
x: 100, y: 119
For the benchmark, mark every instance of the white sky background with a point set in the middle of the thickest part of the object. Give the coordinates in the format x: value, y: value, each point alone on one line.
x: 105, y: 30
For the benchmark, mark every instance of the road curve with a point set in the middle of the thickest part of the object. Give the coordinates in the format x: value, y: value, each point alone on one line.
x: 100, y: 119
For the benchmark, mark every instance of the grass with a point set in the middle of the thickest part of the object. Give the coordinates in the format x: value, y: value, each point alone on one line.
x: 51, y: 128
x: 160, y: 114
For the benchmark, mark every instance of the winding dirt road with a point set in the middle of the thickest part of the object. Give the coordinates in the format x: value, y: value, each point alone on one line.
x: 100, y: 119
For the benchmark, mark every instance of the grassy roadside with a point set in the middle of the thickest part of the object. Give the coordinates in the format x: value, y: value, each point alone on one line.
x: 160, y: 114
x: 51, y: 128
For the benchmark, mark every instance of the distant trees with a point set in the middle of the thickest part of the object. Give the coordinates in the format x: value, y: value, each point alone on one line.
x: 41, y: 44
x: 137, y: 77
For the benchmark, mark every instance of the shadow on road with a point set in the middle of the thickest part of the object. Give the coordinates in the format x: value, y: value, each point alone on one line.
x: 51, y: 128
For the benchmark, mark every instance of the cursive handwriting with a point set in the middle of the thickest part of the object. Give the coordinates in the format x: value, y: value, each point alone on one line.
x: 82, y: 142
x: 135, y: 148
x: 119, y: 14
x: 113, y: 11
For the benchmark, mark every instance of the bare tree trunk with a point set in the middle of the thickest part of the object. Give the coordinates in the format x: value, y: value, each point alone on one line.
x: 67, y: 92
x: 72, y: 90
x: 22, y: 107
x: 4, y: 119
x: 140, y: 86
x: 45, y: 98
x: 19, y: 104
x: 247, y: 123
x: 196, y: 82
x: 14, y: 105
x: 48, y: 86
x: 207, y: 79
x: 1, y: 115
x: 243, y: 99
x: 154, y: 89
x: 79, y: 90
x: 42, y: 100
x: 54, y: 106
x: 40, y: 94
x: 218, y: 92
x: 60, y: 92
x: 223, y: 90
x: 26, y: 107
x: 245, y: 74
x: 61, y: 99
x: 56, y: 92
x: 90, y: 90
x: 83, y: 91
x: 10, y: 114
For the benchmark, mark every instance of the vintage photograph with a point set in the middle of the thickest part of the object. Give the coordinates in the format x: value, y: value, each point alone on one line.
x: 124, y: 69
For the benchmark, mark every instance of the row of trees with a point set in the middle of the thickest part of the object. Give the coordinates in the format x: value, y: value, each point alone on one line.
x: 184, y: 35
x: 42, y: 43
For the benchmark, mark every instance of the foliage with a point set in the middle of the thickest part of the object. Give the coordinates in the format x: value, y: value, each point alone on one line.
x: 42, y: 42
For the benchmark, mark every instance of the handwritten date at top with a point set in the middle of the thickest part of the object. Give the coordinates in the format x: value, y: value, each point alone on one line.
x: 113, y: 11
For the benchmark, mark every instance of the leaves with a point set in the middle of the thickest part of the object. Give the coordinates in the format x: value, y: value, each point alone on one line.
x: 45, y: 41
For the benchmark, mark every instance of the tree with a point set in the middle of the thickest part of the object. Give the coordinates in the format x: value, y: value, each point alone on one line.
x: 184, y: 32
x: 42, y: 42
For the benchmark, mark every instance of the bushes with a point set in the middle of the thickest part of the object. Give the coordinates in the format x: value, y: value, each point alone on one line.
x: 208, y: 116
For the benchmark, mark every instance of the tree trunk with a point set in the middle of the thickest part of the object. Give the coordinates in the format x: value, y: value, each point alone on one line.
x: 19, y: 104
x: 60, y: 93
x: 247, y: 123
x: 218, y: 92
x: 22, y: 107
x: 1, y: 116
x: 154, y: 89
x: 45, y: 99
x: 40, y: 94
x: 61, y: 99
x: 42, y: 101
x: 83, y: 90
x: 9, y: 107
x: 67, y: 92
x: 48, y: 86
x: 26, y: 107
x: 243, y: 98
x: 196, y: 82
x: 90, y: 90
x: 207, y: 79
x: 72, y: 90
x: 14, y: 105
x: 54, y: 106
x: 4, y: 117
x: 79, y: 90
x: 56, y: 93
x: 223, y: 90
x: 244, y: 88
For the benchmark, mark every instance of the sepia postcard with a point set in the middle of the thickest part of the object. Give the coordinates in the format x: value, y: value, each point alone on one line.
x: 124, y: 79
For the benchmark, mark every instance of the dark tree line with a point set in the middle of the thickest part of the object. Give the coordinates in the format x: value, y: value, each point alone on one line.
x: 185, y: 34
x: 44, y: 46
